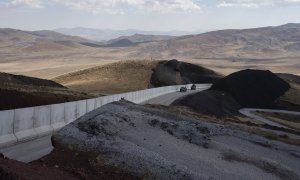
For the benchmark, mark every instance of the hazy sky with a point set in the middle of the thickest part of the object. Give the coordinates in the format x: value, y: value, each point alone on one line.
x: 188, y: 15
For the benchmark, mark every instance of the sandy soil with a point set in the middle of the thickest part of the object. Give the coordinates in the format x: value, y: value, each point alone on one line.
x: 51, y: 64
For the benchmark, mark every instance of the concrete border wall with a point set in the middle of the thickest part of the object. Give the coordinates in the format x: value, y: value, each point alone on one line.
x: 42, y: 120
x: 28, y: 123
x: 7, y: 127
x: 57, y: 116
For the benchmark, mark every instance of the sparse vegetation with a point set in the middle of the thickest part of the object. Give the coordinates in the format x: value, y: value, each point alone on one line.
x: 119, y: 77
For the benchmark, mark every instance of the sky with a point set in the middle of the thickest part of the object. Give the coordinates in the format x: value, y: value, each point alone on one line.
x: 162, y: 15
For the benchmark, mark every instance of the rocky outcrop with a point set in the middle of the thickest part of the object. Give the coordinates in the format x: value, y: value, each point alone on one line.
x: 175, y: 72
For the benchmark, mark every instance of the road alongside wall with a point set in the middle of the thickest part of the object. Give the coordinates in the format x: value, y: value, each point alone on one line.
x: 27, y: 124
x: 250, y: 112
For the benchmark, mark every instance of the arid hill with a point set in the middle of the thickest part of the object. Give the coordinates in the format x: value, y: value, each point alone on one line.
x: 125, y: 76
x: 21, y: 91
x: 32, y: 41
x: 10, y: 80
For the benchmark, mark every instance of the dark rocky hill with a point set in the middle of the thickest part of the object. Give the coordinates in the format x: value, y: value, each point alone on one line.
x: 243, y: 89
x: 253, y: 88
x: 176, y: 72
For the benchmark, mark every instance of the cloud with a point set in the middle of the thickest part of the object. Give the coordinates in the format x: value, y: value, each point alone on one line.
x: 21, y: 3
x: 113, y: 6
x: 255, y: 3
x: 123, y: 6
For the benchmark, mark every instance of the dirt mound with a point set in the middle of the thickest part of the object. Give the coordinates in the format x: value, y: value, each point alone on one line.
x: 253, y: 88
x: 11, y: 79
x: 174, y: 72
x: 210, y: 102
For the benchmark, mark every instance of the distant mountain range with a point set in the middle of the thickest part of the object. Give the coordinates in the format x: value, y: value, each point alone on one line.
x: 276, y: 48
x: 108, y: 34
x: 30, y: 41
x: 139, y: 38
x: 265, y: 42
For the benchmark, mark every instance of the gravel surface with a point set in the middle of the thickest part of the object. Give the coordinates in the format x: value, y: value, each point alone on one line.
x: 153, y: 144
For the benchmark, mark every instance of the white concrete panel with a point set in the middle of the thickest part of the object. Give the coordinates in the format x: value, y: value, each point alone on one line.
x: 57, y: 116
x: 70, y: 112
x: 128, y: 96
x: 7, y: 128
x: 151, y: 92
x: 148, y: 94
x: 135, y: 97
x: 114, y: 98
x: 90, y: 105
x: 110, y: 99
x: 23, y: 124
x: 81, y: 108
x: 42, y: 120
x: 140, y: 96
x: 104, y: 100
x: 98, y: 102
x: 117, y: 97
x: 144, y: 95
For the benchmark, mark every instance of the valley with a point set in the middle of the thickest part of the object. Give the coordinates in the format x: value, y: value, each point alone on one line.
x: 124, y: 108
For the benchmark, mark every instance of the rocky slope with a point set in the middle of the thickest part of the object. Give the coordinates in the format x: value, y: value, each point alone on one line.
x: 21, y: 91
x: 153, y: 144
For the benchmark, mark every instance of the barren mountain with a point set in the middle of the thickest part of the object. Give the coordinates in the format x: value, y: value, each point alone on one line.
x: 49, y: 54
x: 108, y: 34
x: 248, y: 44
x: 138, y: 38
x: 36, y: 41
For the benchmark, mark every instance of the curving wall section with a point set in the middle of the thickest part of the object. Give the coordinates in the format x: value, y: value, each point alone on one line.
x: 28, y: 123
